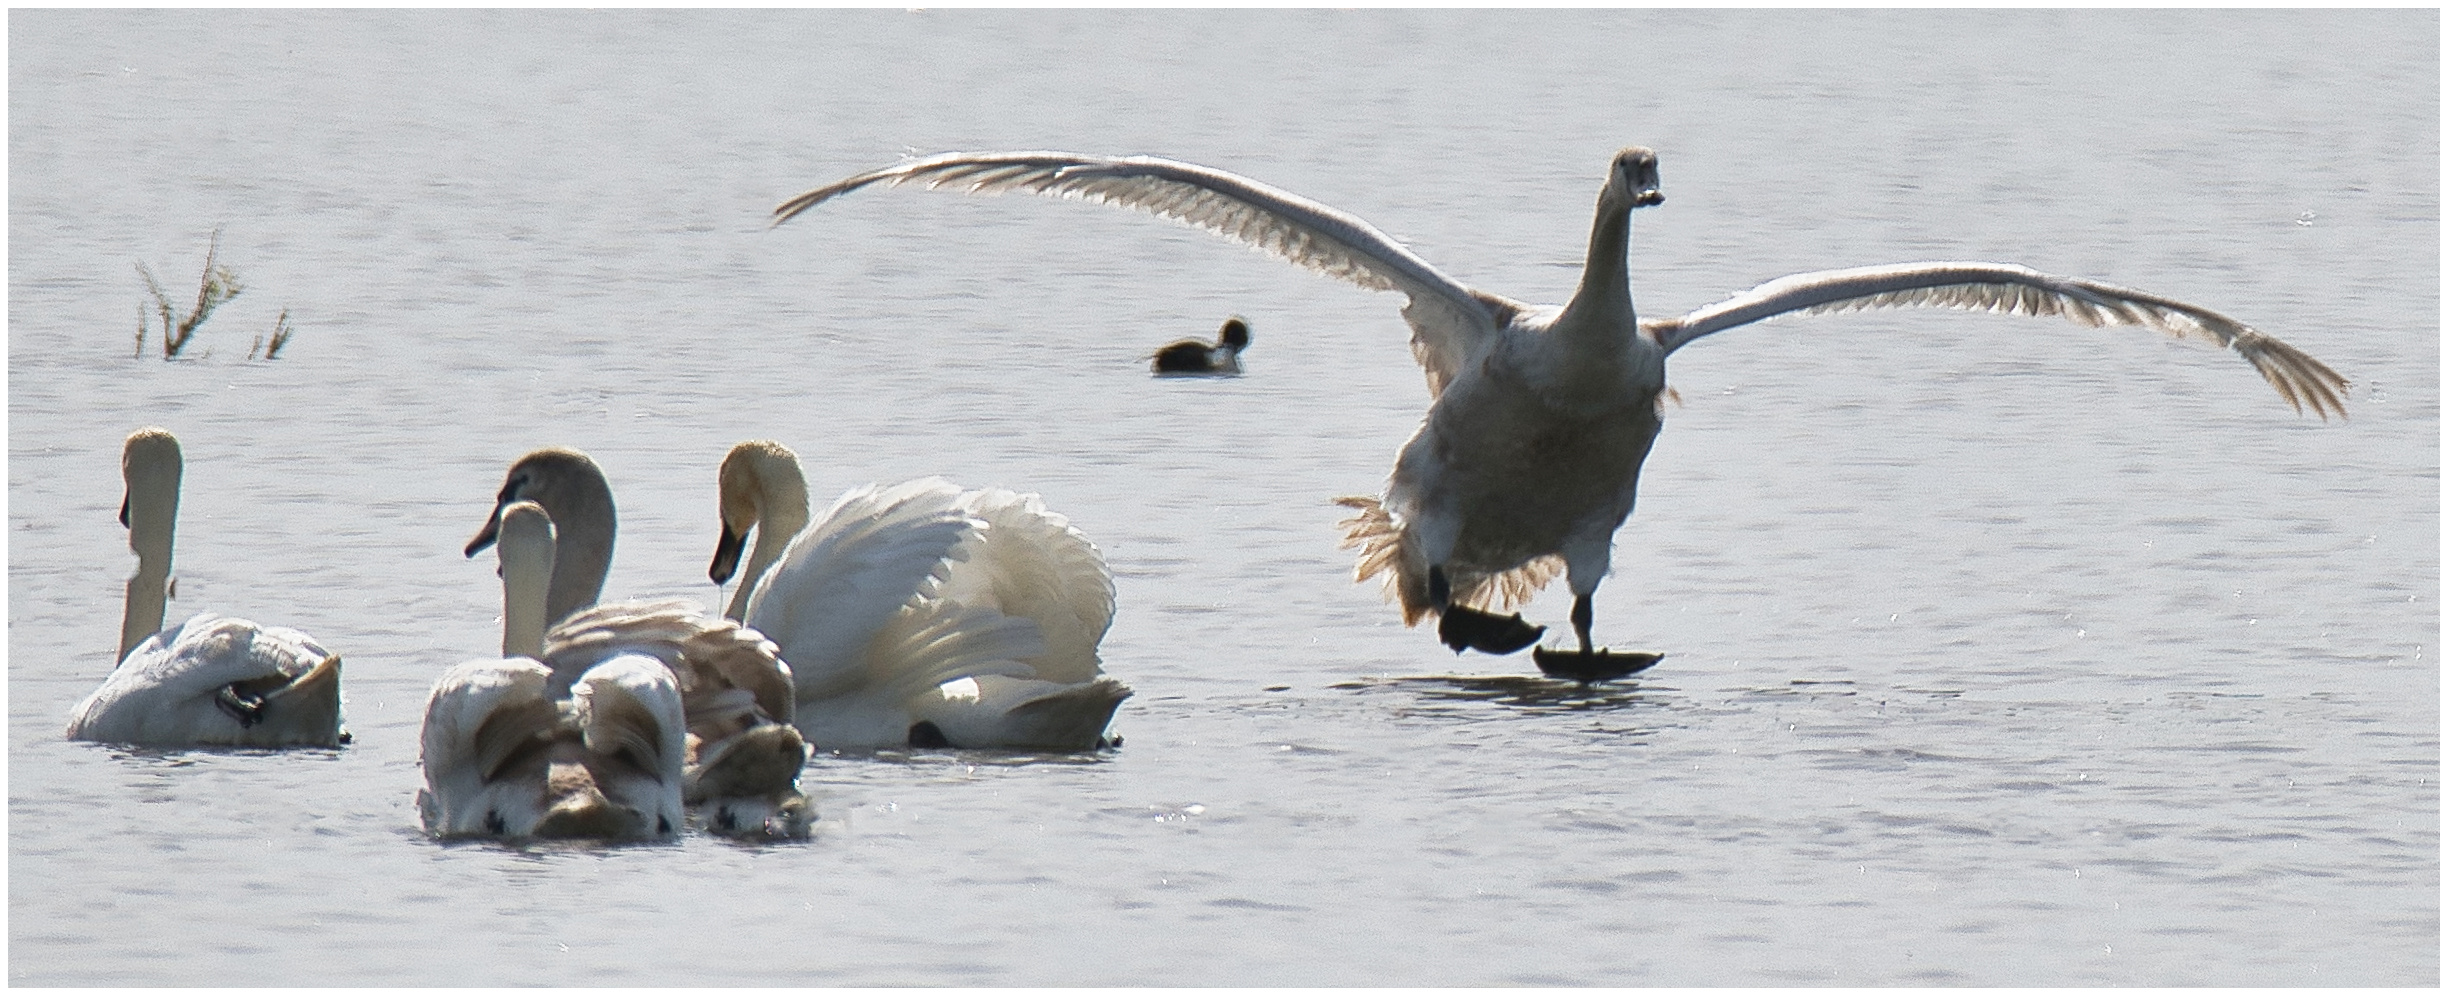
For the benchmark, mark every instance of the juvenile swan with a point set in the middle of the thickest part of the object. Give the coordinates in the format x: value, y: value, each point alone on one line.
x: 921, y: 614
x: 212, y: 679
x: 742, y: 755
x: 1531, y: 451
x: 506, y: 754
x: 1191, y: 356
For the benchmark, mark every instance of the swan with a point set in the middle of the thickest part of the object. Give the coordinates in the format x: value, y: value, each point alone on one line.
x: 1529, y: 456
x: 212, y: 679
x: 1190, y: 356
x: 921, y: 614
x: 505, y: 757
x: 742, y: 756
x: 506, y: 754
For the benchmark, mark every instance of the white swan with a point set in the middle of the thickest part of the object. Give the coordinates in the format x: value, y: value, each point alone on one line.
x: 742, y: 755
x: 1191, y: 356
x: 212, y: 679
x: 921, y: 614
x: 1531, y: 452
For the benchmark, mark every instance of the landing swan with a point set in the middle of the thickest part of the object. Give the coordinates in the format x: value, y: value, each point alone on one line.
x: 742, y: 755
x: 921, y: 614
x: 1190, y: 356
x: 1531, y: 451
x: 212, y: 679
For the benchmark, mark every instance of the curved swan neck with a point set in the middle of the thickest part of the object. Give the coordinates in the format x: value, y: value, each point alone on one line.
x: 763, y: 488
x: 576, y: 496
x: 151, y: 464
x: 526, y: 547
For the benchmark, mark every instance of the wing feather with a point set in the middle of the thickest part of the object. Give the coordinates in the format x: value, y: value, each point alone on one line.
x: 2000, y: 287
x: 1285, y: 225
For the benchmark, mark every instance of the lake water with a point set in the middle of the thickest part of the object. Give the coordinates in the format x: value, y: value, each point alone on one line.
x: 2001, y: 651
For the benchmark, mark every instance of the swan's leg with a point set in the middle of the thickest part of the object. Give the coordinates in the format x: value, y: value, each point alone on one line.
x: 1581, y: 620
x: 1585, y: 567
x: 1470, y: 629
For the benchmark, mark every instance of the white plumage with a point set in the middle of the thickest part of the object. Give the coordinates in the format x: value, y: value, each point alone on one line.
x: 212, y: 680
x: 923, y: 613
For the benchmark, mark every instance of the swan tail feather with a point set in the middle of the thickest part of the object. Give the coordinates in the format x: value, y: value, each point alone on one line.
x: 1008, y: 712
x: 1385, y: 549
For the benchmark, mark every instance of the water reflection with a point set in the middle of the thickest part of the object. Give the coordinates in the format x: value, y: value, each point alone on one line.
x: 1535, y: 693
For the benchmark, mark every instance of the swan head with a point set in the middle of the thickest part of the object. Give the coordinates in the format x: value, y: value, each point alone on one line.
x: 1234, y: 335
x: 567, y: 483
x: 1633, y: 182
x: 761, y: 486
x: 151, y: 464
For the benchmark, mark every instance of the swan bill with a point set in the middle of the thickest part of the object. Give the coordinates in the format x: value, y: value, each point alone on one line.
x: 1592, y: 666
x: 727, y: 552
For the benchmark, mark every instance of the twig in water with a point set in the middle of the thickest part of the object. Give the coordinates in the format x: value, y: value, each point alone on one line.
x: 217, y: 287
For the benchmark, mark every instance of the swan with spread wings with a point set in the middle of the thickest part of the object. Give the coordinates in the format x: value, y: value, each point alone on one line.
x: 1531, y: 452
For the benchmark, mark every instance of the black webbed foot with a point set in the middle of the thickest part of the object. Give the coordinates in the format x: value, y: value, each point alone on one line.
x: 1470, y: 629
x: 1588, y: 666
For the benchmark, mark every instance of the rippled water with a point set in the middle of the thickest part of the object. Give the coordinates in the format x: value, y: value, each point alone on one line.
x: 2000, y: 651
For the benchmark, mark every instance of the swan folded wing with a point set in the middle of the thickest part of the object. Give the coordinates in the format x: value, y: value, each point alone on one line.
x: 1449, y: 320
x: 480, y: 716
x: 842, y: 579
x: 936, y: 641
x: 1999, y: 287
x: 710, y: 656
x: 1030, y: 562
x: 631, y: 705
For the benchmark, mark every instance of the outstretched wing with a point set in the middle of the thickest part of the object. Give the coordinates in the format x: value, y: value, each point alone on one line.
x: 1448, y: 320
x: 2003, y: 287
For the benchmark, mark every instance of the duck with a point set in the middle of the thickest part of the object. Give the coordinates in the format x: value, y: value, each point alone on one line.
x: 921, y: 614
x: 212, y: 680
x: 1192, y: 357
x: 1540, y: 417
x: 741, y: 756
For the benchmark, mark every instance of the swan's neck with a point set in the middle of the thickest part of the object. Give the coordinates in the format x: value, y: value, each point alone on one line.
x: 584, y: 526
x: 1602, y: 305
x: 774, y: 531
x: 152, y: 468
x: 526, y: 548
x: 768, y: 475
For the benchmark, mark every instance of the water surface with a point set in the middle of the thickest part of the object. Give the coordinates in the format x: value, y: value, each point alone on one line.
x: 2001, y: 651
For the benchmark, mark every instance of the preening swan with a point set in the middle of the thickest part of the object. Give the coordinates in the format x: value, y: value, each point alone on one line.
x: 1531, y: 451
x: 1191, y: 356
x: 921, y: 614
x: 211, y: 679
x: 741, y: 755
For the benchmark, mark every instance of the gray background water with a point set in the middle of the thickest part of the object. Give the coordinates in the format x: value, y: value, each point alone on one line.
x: 2002, y: 651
